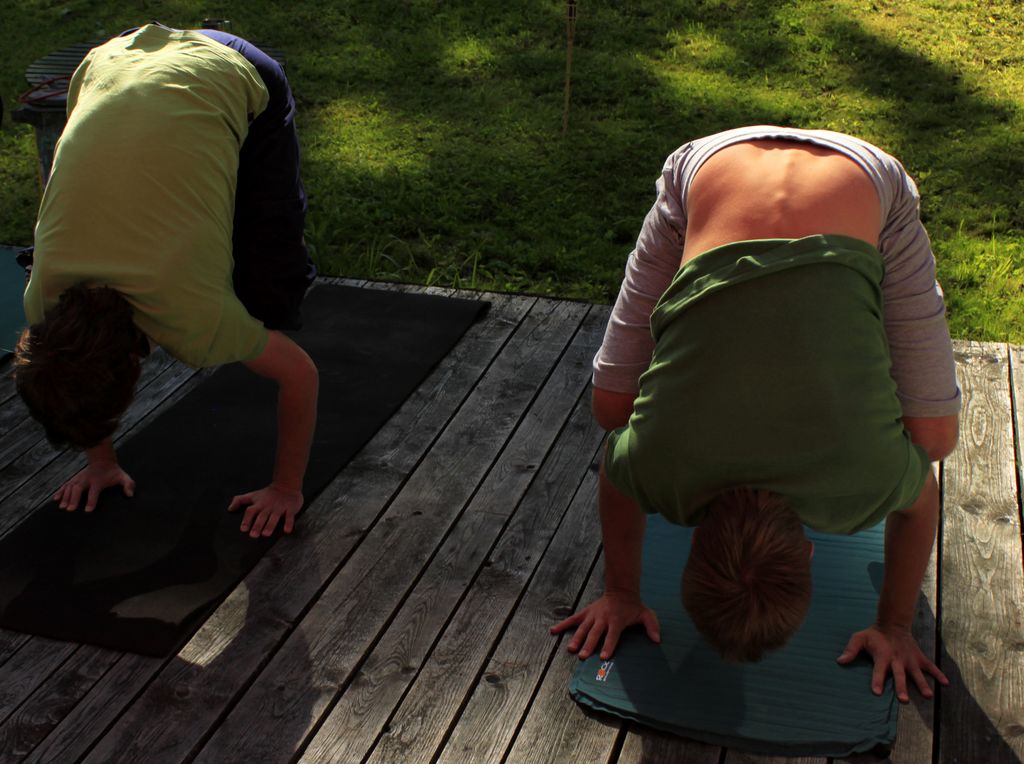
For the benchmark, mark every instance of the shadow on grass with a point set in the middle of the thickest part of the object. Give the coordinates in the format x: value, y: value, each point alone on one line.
x: 433, y: 135
x: 432, y: 131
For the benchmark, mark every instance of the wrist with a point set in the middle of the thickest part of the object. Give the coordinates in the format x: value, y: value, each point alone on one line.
x: 622, y: 592
x: 891, y: 626
x: 286, y: 488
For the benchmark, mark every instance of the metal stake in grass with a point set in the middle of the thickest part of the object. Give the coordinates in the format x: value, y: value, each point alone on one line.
x: 570, y: 32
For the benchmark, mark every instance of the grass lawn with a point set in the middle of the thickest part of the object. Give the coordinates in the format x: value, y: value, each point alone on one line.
x: 432, y: 131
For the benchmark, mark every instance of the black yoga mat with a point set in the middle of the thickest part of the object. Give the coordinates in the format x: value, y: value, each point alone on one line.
x: 142, y: 574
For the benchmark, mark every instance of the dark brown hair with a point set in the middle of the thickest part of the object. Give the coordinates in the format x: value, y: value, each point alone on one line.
x: 747, y: 583
x: 76, y: 370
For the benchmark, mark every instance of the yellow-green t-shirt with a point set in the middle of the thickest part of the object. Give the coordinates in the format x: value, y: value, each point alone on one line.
x: 141, y: 197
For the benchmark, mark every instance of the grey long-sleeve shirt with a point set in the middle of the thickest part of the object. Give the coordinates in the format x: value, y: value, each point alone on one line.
x: 915, y: 324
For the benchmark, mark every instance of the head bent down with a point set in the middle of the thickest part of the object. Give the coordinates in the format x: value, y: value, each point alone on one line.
x: 747, y: 583
x: 76, y: 369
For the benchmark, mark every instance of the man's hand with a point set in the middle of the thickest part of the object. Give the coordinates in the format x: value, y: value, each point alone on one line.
x: 622, y: 530
x: 90, y: 482
x: 895, y: 650
x: 295, y: 373
x: 103, y: 472
x: 608, y: 617
x: 265, y: 508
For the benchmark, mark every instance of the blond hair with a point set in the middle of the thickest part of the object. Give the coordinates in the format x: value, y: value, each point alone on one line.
x: 747, y: 583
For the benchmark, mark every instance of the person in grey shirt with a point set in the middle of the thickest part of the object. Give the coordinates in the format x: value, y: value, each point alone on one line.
x: 748, y: 185
x: 922, y: 358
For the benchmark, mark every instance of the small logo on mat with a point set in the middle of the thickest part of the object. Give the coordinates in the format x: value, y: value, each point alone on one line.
x: 604, y: 671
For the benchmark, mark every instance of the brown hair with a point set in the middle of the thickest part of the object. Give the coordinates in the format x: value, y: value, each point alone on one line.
x: 76, y: 370
x: 747, y: 583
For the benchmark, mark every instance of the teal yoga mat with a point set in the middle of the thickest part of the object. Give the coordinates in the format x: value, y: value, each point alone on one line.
x: 798, y: 701
x: 12, y: 286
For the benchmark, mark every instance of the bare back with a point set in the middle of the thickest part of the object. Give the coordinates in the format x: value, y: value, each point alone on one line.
x: 768, y: 189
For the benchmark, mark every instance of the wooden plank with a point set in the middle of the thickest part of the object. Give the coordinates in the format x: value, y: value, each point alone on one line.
x: 646, y: 746
x: 203, y: 683
x: 95, y: 709
x: 7, y: 387
x: 1017, y: 396
x: 10, y: 643
x: 425, y: 714
x: 980, y: 579
x: 504, y: 689
x: 13, y: 416
x: 742, y: 757
x: 43, y: 710
x: 28, y: 669
x: 343, y: 281
x: 314, y: 665
x: 555, y: 729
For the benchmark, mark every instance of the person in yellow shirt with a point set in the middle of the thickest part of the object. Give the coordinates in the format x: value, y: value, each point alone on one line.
x: 173, y: 217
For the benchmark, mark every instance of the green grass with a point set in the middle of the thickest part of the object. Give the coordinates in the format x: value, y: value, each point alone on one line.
x: 432, y: 140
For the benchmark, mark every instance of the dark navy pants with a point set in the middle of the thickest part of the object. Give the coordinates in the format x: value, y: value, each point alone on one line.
x: 272, y: 266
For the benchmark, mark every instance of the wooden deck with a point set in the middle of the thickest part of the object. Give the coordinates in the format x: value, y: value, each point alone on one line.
x: 406, y: 620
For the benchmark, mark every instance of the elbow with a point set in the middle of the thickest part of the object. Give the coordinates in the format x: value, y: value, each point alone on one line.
x: 611, y: 409
x: 311, y: 375
x: 939, y: 450
x: 936, y: 435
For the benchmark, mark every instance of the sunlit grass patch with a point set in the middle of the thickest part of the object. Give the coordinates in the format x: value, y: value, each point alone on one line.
x: 984, y: 284
x: 469, y: 54
x: 432, y: 132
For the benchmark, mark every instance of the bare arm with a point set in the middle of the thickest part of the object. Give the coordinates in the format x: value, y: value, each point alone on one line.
x: 622, y: 530
x: 298, y: 383
x: 909, y: 535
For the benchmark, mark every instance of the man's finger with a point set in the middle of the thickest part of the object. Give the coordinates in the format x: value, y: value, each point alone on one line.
x: 271, y: 522
x: 94, y: 495
x: 248, y: 518
x: 852, y: 649
x: 650, y: 621
x: 936, y: 672
x: 921, y: 682
x: 878, y: 675
x: 585, y: 625
x: 899, y: 678
x: 128, y: 486
x: 257, y: 523
x: 238, y: 502
x: 567, y: 624
x: 593, y: 637
x: 76, y: 494
x: 611, y: 641
x: 289, y: 523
